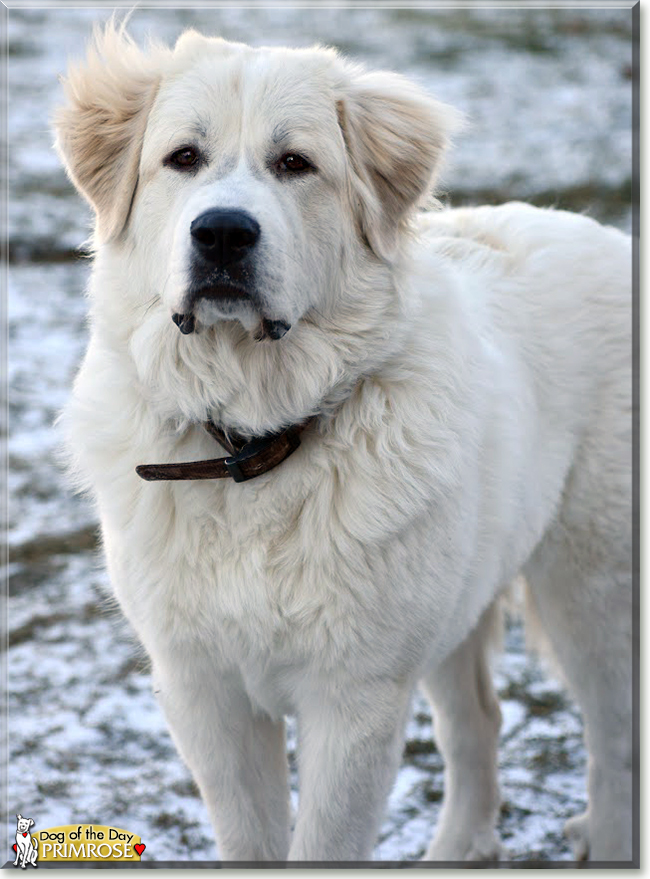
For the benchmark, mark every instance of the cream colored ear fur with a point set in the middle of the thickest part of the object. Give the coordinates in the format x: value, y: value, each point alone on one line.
x: 100, y: 130
x: 396, y: 135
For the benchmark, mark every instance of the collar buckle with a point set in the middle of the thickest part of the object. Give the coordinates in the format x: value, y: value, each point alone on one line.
x: 255, y: 447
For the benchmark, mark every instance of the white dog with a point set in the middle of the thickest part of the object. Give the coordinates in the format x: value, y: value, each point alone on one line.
x: 428, y: 403
x: 26, y: 851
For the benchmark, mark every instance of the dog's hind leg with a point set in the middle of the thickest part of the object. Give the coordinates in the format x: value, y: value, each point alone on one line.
x: 467, y: 722
x: 584, y: 604
x: 237, y: 757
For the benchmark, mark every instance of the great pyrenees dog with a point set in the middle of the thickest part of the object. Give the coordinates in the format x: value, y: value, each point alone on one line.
x: 326, y: 429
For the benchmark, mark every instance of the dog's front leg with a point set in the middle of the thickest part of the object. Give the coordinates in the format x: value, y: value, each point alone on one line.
x: 237, y: 757
x: 350, y: 743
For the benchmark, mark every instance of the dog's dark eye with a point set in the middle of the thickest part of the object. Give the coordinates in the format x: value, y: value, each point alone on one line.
x: 294, y: 163
x: 185, y: 157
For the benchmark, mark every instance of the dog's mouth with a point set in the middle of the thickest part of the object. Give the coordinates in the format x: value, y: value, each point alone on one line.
x: 225, y: 295
x: 219, y: 292
x: 267, y: 329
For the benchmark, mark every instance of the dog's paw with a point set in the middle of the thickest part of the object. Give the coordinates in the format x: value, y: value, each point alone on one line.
x: 576, y: 831
x: 483, y: 846
x: 486, y: 847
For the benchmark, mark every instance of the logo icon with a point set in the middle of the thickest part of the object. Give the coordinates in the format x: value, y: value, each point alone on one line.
x: 25, y: 846
x: 82, y: 843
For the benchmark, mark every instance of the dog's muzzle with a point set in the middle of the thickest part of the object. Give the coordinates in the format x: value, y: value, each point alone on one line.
x: 223, y: 242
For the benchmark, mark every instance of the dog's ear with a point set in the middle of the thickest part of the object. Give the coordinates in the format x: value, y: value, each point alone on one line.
x: 31, y: 822
x: 101, y: 128
x: 395, y: 135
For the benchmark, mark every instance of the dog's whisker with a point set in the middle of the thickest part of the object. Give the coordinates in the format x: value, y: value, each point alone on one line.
x: 150, y: 304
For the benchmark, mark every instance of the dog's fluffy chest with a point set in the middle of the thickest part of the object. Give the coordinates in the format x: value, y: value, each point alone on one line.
x: 256, y: 573
x: 275, y: 582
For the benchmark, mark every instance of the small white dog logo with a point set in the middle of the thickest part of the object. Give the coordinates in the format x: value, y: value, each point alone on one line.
x: 26, y: 851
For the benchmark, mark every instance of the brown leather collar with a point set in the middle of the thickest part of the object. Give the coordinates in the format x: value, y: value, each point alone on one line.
x: 247, y: 459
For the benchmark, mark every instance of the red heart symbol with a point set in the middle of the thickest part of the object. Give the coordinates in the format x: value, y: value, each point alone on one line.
x: 139, y: 847
x: 15, y: 847
x: 24, y: 834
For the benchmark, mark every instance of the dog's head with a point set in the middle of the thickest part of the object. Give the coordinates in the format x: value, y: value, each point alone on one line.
x: 252, y: 183
x: 24, y: 824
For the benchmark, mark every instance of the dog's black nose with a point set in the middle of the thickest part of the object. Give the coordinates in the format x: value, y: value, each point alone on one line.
x: 224, y: 236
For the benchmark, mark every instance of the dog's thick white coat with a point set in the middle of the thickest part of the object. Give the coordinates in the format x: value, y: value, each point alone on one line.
x: 471, y: 373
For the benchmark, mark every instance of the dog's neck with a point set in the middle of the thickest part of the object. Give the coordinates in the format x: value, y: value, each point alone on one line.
x: 248, y: 457
x: 247, y: 387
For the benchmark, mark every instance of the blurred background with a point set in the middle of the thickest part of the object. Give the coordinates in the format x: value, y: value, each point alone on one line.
x: 548, y: 95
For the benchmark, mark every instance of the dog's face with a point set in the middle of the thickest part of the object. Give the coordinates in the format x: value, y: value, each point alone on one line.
x: 252, y: 183
x: 24, y: 824
x: 243, y: 177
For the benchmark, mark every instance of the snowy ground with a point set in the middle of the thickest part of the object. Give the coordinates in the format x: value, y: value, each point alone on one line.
x: 548, y: 95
